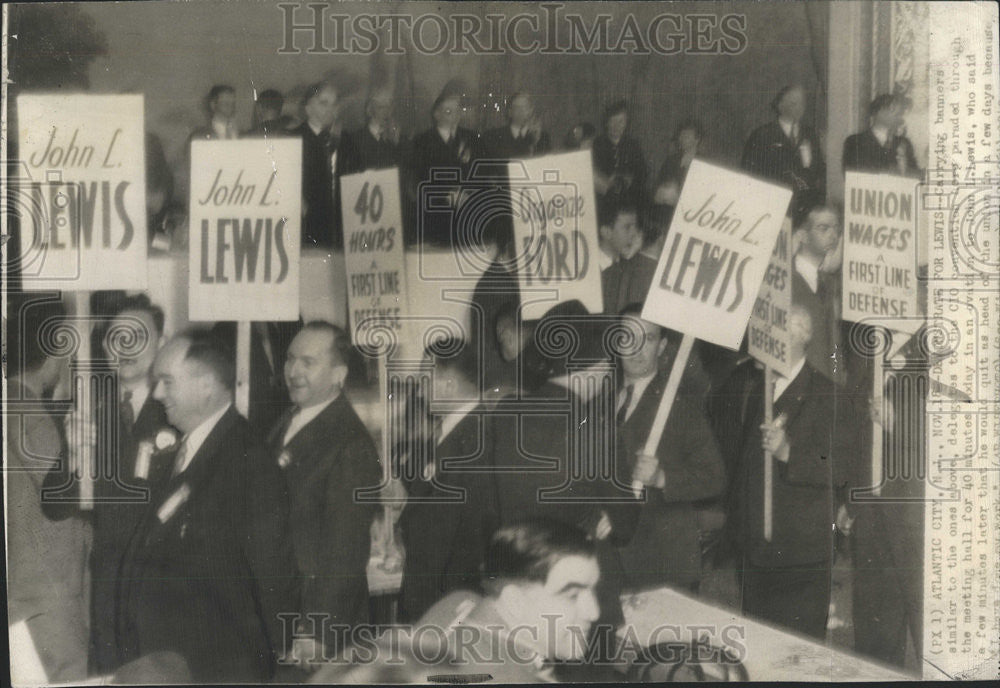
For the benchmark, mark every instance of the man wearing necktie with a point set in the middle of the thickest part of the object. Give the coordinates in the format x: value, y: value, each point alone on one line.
x: 448, y: 148
x: 221, y: 104
x: 210, y: 567
x: 374, y: 146
x: 881, y: 148
x: 686, y: 468
x: 451, y: 512
x: 326, y: 455
x: 320, y: 204
x: 121, y: 500
x: 787, y: 151
x: 786, y: 580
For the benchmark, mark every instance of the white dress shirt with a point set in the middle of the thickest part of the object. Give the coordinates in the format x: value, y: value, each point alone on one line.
x: 304, y: 416
x: 781, y: 382
x: 809, y: 272
x: 881, y: 134
x: 193, y: 440
x: 638, y: 389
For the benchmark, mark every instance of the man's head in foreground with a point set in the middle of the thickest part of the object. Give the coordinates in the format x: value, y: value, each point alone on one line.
x: 542, y: 575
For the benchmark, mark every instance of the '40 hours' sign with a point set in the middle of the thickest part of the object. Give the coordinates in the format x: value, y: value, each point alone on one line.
x: 373, y: 251
x: 244, y: 230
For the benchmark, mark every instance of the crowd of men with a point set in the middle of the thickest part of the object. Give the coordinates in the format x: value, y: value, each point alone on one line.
x: 223, y: 548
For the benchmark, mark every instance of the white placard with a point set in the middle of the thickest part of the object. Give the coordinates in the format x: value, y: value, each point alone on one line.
x: 80, y: 191
x: 767, y: 331
x: 717, y: 250
x: 880, y: 249
x: 555, y: 231
x: 373, y: 252
x: 245, y: 230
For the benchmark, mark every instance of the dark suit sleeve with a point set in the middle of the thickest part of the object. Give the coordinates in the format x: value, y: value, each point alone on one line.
x: 347, y: 530
x: 690, y: 458
x: 811, y: 440
x: 268, y: 546
x: 348, y: 155
x: 850, y: 157
x: 751, y: 161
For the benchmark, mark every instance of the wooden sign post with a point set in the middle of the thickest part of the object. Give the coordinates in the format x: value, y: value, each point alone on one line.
x: 713, y: 262
x: 880, y: 273
x: 377, y: 293
x: 82, y: 206
x: 768, y: 342
x: 245, y: 228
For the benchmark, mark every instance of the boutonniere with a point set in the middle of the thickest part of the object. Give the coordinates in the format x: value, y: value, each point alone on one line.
x: 165, y: 440
x: 284, y: 459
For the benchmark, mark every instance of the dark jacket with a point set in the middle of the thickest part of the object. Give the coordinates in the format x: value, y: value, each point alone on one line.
x: 500, y: 144
x: 863, y: 153
x: 326, y: 461
x: 360, y: 151
x: 627, y: 281
x: 432, y: 155
x: 803, y: 500
x: 115, y: 521
x: 665, y: 549
x: 448, y: 521
x: 208, y: 579
x: 626, y: 161
x: 321, y: 207
x: 770, y: 154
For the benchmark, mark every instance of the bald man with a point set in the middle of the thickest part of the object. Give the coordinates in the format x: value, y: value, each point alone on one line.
x: 786, y: 580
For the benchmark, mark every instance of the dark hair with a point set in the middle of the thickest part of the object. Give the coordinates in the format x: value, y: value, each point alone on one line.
x: 634, y: 310
x: 883, y: 101
x: 314, y: 90
x: 610, y: 209
x: 26, y: 315
x: 271, y: 99
x: 340, y: 347
x: 141, y: 302
x: 805, y: 219
x: 785, y: 90
x: 692, y: 124
x: 208, y: 350
x: 218, y: 90
x: 453, y: 353
x: 446, y: 94
x: 527, y: 551
x: 514, y: 96
x: 616, y: 108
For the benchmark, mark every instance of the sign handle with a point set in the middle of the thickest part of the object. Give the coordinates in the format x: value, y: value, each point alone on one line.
x: 878, y: 395
x: 768, y: 458
x: 85, y: 465
x: 243, y: 367
x: 666, y: 403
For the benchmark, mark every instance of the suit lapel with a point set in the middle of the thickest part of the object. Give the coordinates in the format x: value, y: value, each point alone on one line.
x: 309, y: 440
x: 200, y: 466
x: 794, y: 397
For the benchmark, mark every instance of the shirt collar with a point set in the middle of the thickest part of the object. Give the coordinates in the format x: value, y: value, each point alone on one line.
x: 139, y: 395
x: 375, y: 130
x: 638, y: 389
x: 221, y: 128
x: 450, y: 421
x: 781, y: 382
x: 881, y: 134
x: 809, y: 272
x: 786, y: 126
x: 445, y: 133
x: 315, y: 130
x: 194, y: 439
x: 306, y: 415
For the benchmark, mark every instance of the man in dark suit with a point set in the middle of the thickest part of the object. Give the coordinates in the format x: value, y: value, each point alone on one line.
x: 327, y: 454
x: 374, y: 146
x: 269, y: 343
x: 787, y: 151
x: 619, y: 164
x: 522, y: 136
x: 881, y: 148
x: 445, y: 146
x: 46, y: 554
x: 221, y: 105
x: 137, y: 467
x: 321, y: 225
x: 819, y: 290
x: 210, y: 567
x: 451, y: 510
x: 686, y: 468
x: 786, y: 579
x: 553, y: 452
x: 268, y: 120
x: 627, y: 278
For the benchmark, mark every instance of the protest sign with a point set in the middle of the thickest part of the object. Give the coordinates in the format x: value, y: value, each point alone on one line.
x: 717, y: 250
x: 880, y: 250
x: 81, y: 191
x: 373, y: 252
x: 767, y: 331
x: 244, y: 230
x: 555, y: 231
